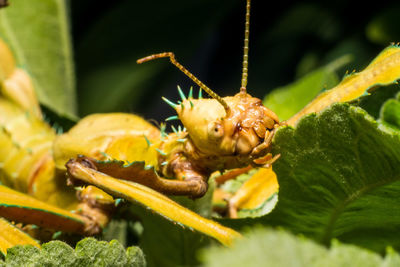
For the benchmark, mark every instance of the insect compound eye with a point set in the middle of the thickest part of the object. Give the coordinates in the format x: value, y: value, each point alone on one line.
x: 215, y: 130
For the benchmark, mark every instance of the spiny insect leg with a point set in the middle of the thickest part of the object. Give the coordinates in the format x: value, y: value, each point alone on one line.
x: 159, y: 203
x: 193, y: 184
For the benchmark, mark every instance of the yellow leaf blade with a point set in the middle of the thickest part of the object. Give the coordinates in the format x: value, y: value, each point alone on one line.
x: 383, y: 70
x: 11, y: 236
x: 258, y: 189
x: 19, y: 207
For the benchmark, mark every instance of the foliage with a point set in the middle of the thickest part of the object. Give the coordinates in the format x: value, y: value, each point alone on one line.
x: 338, y: 172
x: 339, y: 177
x: 88, y: 252
x: 267, y: 247
x: 390, y: 113
x: 43, y: 49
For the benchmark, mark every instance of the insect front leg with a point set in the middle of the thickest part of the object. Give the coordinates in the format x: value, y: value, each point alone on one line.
x: 266, y: 160
x: 189, y: 183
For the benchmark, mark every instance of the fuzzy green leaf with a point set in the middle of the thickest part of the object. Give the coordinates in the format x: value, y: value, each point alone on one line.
x: 266, y: 247
x: 91, y: 252
x: 339, y: 176
x: 38, y: 34
x: 88, y: 252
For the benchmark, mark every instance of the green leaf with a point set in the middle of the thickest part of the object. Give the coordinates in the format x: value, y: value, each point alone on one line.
x: 100, y: 253
x: 288, y: 100
x: 390, y: 113
x: 55, y: 252
x: 88, y: 252
x: 267, y: 247
x: 339, y: 177
x: 373, y: 102
x: 38, y: 34
x: 116, y: 229
x: 22, y: 255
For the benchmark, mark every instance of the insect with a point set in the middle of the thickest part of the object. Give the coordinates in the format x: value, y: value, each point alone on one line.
x: 236, y: 133
x: 128, y: 157
x: 220, y: 133
x: 28, y: 164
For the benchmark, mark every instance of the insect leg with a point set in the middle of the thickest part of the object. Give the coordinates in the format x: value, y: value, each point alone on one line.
x: 189, y: 183
x: 267, y: 159
x: 161, y: 204
x: 232, y: 174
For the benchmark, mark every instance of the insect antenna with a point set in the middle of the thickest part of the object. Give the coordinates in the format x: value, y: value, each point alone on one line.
x: 187, y: 73
x: 246, y: 50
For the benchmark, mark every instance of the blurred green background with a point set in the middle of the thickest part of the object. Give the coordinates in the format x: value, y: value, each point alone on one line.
x: 287, y: 40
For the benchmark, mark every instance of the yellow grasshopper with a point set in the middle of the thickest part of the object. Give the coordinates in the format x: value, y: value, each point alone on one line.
x: 229, y: 137
x: 28, y: 156
x: 219, y: 134
x: 236, y: 133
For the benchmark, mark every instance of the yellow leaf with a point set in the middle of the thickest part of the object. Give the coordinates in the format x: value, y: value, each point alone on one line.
x: 383, y: 70
x: 11, y: 236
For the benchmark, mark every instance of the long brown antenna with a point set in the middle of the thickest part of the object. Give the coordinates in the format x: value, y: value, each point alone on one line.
x: 187, y: 73
x: 246, y: 50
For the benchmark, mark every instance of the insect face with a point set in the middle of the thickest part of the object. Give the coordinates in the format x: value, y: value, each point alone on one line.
x: 217, y: 131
